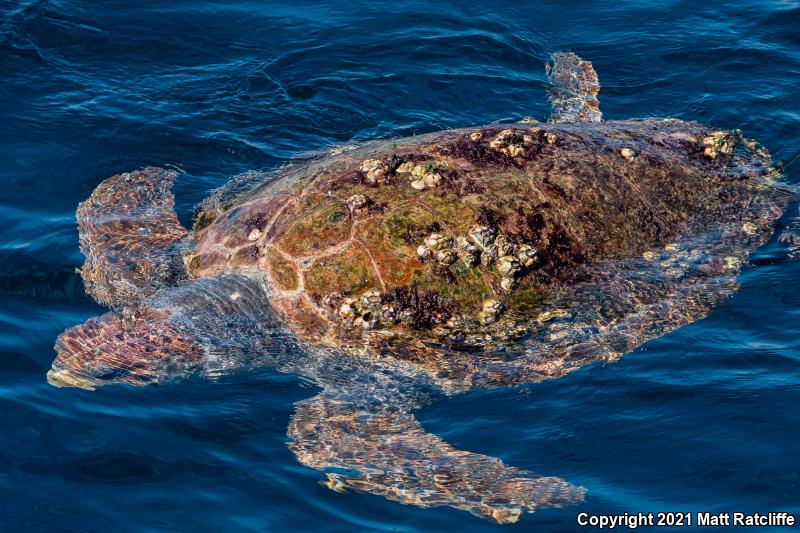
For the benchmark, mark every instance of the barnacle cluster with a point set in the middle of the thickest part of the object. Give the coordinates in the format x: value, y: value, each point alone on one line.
x: 437, y: 246
x: 375, y: 171
x: 511, y: 142
x: 485, y: 246
x: 401, y: 305
x: 485, y: 329
x: 420, y: 176
x: 719, y: 142
x: 628, y: 154
x: 491, y: 309
x: 367, y: 311
x: 357, y: 202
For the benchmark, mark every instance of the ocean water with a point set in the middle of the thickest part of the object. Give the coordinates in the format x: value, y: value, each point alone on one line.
x: 703, y: 419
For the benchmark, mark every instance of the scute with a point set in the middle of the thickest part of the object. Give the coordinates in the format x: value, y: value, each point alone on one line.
x: 396, y: 263
x: 304, y: 318
x: 408, y: 223
x: 323, y: 221
x: 283, y: 272
x: 348, y: 271
x: 237, y: 239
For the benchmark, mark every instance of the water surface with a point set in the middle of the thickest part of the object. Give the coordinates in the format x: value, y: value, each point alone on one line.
x: 703, y: 419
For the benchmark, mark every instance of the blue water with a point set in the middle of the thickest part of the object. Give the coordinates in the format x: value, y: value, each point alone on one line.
x: 704, y: 419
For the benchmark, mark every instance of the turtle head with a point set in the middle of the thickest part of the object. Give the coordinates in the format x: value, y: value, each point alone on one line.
x: 136, y: 347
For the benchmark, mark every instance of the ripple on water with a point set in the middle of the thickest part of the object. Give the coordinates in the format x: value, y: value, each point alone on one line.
x: 703, y: 419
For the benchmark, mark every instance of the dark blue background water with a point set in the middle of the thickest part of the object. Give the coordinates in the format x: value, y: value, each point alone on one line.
x: 705, y: 419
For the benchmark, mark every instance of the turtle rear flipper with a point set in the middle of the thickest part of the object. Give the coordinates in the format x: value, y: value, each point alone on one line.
x: 790, y: 234
x: 128, y: 228
x: 388, y: 453
x: 573, y: 89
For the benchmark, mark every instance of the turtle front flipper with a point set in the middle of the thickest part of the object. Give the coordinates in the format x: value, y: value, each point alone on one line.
x: 388, y: 453
x: 573, y: 89
x: 128, y: 228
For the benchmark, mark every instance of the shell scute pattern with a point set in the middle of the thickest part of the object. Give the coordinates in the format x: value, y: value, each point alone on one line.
x: 464, y: 218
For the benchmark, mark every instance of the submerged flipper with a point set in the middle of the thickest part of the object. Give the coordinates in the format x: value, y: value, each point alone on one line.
x: 205, y: 326
x: 127, y: 228
x: 388, y: 453
x: 790, y: 236
x: 573, y: 89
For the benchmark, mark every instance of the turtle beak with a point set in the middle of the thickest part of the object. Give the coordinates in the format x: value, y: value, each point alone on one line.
x: 65, y: 378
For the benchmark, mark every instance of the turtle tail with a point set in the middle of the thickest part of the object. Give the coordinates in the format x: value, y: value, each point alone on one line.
x: 790, y: 234
x: 573, y: 89
x: 128, y: 229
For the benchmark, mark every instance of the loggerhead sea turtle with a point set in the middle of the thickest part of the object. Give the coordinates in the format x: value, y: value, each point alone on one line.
x: 394, y: 271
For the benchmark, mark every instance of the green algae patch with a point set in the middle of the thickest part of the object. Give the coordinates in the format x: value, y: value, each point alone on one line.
x: 454, y: 214
x: 461, y: 285
x: 325, y: 222
x: 408, y: 225
x: 347, y: 272
x: 282, y: 272
x: 203, y: 219
x: 526, y: 300
x: 397, y: 264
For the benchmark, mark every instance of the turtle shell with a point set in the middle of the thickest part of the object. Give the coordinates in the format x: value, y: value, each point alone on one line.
x: 457, y: 236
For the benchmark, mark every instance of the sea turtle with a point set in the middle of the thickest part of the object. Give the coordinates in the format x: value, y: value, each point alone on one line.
x: 397, y: 270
